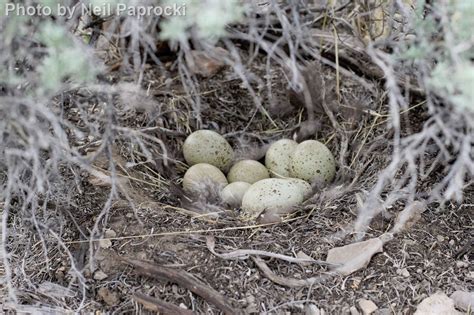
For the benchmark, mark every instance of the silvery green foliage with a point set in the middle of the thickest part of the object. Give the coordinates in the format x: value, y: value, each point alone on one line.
x: 437, y: 55
x: 452, y: 73
x: 454, y: 82
x: 64, y: 60
x: 40, y: 63
x: 456, y: 64
x: 207, y: 18
x: 55, y: 57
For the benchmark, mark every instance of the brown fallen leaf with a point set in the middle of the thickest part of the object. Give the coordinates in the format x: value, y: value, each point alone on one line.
x: 354, y: 256
x: 204, y: 63
x: 109, y: 297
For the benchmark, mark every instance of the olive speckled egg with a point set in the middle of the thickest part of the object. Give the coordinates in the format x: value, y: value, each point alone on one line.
x: 233, y: 193
x: 200, y: 176
x: 278, y: 156
x: 248, y: 171
x: 206, y: 146
x: 312, y: 161
x: 275, y: 195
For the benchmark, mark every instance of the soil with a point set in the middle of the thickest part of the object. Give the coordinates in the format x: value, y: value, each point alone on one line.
x: 166, y: 229
x: 413, y: 266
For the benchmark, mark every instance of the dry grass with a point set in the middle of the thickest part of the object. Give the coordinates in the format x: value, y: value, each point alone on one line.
x: 107, y: 155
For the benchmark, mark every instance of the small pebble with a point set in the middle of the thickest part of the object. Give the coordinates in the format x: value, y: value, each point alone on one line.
x: 251, y: 305
x: 405, y: 273
x: 250, y: 299
x: 100, y: 275
x: 354, y: 310
x: 451, y: 242
x: 110, y: 233
x: 440, y: 238
x: 311, y: 309
x: 462, y: 264
x: 303, y: 255
x: 87, y: 272
x: 383, y: 311
x: 105, y: 243
x: 366, y: 306
x: 174, y: 288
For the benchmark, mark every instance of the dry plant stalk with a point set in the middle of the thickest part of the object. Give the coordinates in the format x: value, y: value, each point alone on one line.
x: 45, y: 135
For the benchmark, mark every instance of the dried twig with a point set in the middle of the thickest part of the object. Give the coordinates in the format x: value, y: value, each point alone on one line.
x: 288, y: 282
x: 245, y: 253
x: 160, y: 306
x: 185, y: 280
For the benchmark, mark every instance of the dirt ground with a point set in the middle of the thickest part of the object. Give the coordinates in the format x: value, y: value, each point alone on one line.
x: 413, y: 266
x: 147, y: 217
x: 165, y: 229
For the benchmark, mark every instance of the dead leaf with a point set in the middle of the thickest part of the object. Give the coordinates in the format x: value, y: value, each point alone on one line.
x: 354, y: 256
x: 205, y: 63
x: 109, y: 297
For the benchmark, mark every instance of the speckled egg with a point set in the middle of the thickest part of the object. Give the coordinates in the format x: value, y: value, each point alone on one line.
x: 203, y: 176
x: 233, y: 193
x: 248, y: 171
x: 303, y: 185
x: 275, y: 195
x: 312, y: 161
x: 278, y: 157
x: 206, y: 146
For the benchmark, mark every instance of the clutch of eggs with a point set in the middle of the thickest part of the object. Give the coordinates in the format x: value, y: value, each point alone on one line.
x: 248, y: 184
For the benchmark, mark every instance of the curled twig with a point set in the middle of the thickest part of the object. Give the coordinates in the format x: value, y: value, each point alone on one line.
x: 288, y: 282
x: 245, y: 253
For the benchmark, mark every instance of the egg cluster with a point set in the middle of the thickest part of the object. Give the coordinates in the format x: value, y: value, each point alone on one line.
x: 248, y: 185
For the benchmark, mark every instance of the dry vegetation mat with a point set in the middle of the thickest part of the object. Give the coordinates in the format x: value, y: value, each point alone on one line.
x: 95, y: 109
